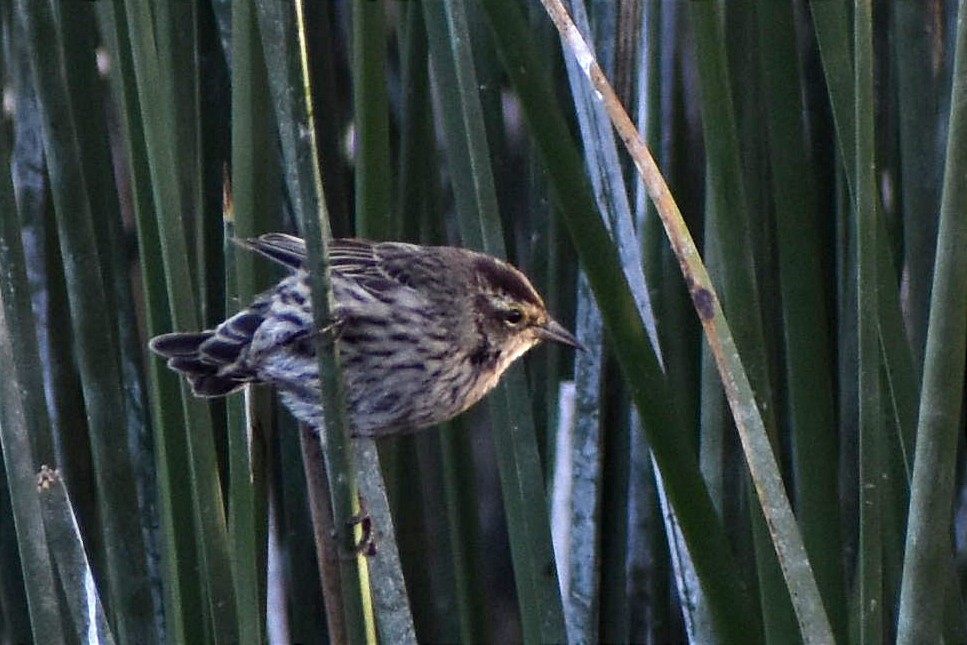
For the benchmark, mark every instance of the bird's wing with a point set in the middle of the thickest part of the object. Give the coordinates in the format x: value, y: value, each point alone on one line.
x: 353, y: 258
x: 287, y: 250
x: 348, y: 256
x: 377, y: 267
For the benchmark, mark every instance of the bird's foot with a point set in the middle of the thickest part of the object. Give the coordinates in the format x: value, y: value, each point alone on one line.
x: 333, y: 330
x: 367, y: 542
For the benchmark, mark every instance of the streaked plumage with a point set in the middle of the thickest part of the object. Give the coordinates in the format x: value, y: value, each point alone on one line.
x: 424, y: 332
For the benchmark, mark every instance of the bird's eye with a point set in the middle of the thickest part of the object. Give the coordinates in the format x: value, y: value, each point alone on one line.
x: 513, y: 316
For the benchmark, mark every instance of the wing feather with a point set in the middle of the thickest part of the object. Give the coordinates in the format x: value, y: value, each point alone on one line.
x: 287, y: 250
x: 378, y: 267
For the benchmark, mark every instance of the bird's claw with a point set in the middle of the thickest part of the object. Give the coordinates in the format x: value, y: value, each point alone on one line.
x: 333, y: 330
x: 366, y: 545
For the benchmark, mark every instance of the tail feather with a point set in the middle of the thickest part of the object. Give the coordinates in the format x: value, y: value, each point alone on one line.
x: 212, y: 386
x: 172, y: 345
x: 211, y: 360
x: 216, y: 361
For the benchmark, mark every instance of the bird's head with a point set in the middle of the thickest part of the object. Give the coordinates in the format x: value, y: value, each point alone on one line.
x: 510, y: 315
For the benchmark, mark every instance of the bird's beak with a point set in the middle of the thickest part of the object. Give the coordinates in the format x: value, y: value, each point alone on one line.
x: 555, y: 331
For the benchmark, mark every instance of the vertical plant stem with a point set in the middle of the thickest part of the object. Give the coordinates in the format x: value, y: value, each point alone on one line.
x: 35, y: 561
x: 194, y: 440
x: 284, y: 42
x: 84, y: 606
x: 728, y: 220
x: 721, y: 577
x: 324, y: 533
x: 871, y: 546
x: 762, y: 464
x: 389, y: 593
x: 25, y: 440
x: 521, y: 477
x: 927, y: 555
x: 374, y: 182
x: 96, y: 343
x: 808, y: 354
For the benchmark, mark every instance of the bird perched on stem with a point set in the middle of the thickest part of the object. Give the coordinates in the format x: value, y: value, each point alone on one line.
x: 423, y: 333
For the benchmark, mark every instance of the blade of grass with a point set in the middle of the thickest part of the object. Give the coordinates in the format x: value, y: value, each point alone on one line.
x: 311, y: 615
x: 389, y: 593
x: 42, y: 597
x: 831, y: 21
x: 373, y: 188
x: 329, y: 82
x: 25, y: 438
x: 607, y: 178
x: 442, y: 607
x: 283, y: 41
x: 73, y: 570
x: 650, y: 552
x: 175, y: 41
x: 870, y: 575
x: 582, y: 595
x: 922, y: 78
x: 13, y: 597
x: 246, y: 427
x: 762, y: 464
x: 182, y: 587
x: 154, y: 79
x: 89, y: 95
x: 211, y: 98
x: 463, y: 127
x: 20, y: 322
x: 417, y: 144
x: 462, y: 518
x: 95, y: 341
x: 374, y: 182
x: 580, y: 582
x: 728, y: 219
x: 454, y: 609
x: 325, y: 535
x: 808, y: 355
x: 418, y: 511
x: 927, y: 555
x: 253, y: 202
x: 521, y: 477
x: 721, y: 578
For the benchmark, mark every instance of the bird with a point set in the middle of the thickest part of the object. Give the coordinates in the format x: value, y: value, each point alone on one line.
x: 423, y: 333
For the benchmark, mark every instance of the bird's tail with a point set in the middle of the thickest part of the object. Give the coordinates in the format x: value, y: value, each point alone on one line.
x: 212, y: 360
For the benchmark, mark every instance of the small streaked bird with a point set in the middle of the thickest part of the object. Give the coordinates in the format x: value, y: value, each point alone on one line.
x: 424, y: 332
